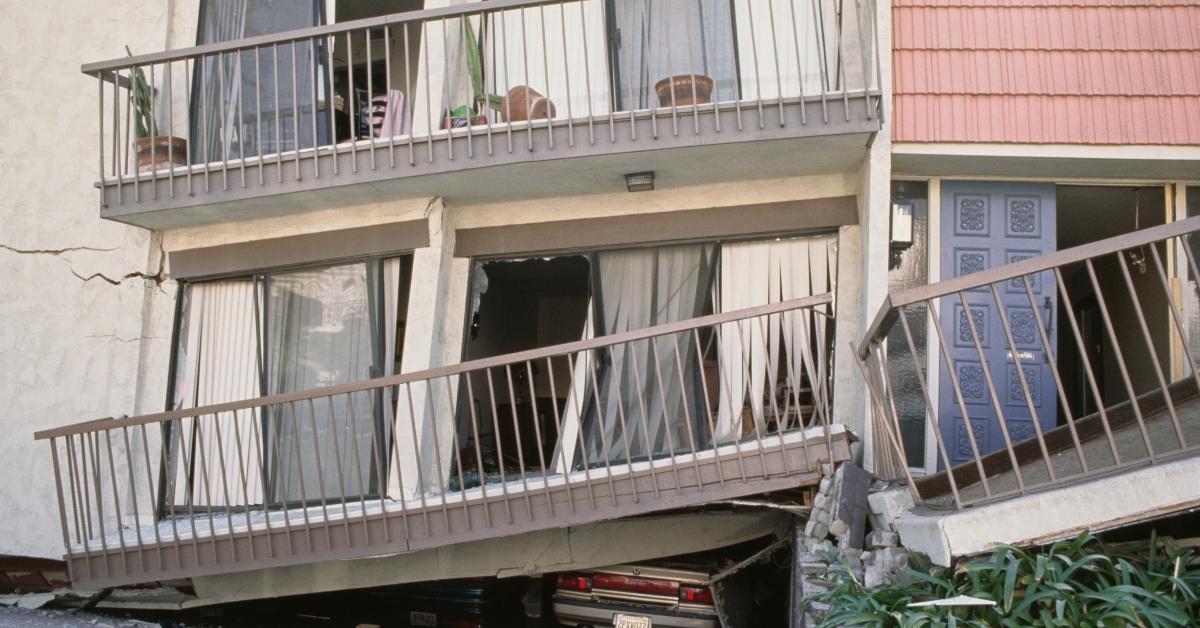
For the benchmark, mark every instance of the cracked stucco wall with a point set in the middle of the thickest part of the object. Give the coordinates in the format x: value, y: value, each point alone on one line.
x: 76, y: 290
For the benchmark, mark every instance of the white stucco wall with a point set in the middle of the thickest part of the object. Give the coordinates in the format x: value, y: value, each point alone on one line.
x: 75, y: 287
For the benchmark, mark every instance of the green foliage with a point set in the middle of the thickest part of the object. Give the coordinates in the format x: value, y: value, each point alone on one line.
x: 475, y: 69
x: 1080, y: 582
x: 143, y: 115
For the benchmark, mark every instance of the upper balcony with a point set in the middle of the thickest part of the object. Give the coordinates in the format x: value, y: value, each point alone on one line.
x: 532, y: 97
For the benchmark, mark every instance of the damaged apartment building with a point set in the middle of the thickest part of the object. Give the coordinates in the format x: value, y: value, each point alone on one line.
x: 382, y: 292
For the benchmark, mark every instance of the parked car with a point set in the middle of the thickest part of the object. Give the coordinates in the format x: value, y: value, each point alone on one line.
x: 669, y: 593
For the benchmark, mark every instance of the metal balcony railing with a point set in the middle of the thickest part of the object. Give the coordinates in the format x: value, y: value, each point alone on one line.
x: 480, y: 84
x: 661, y: 418
x: 1122, y: 400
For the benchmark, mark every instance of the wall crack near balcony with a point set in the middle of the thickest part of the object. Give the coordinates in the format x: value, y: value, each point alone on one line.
x: 158, y: 277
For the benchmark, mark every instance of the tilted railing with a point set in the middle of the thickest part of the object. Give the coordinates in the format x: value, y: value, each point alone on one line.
x: 665, y: 417
x: 420, y: 90
x: 1122, y: 399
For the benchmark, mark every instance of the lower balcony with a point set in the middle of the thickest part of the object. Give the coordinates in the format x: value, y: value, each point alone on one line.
x: 658, y: 419
x: 531, y: 97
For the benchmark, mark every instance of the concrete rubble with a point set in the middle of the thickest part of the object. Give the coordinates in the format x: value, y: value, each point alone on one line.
x: 832, y: 541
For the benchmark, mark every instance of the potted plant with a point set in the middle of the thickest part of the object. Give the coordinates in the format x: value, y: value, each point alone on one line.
x: 472, y: 114
x: 153, y: 151
x: 687, y: 89
x: 521, y: 103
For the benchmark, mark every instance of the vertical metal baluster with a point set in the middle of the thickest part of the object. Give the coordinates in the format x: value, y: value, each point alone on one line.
x: 202, y: 455
x: 295, y: 448
x: 562, y: 27
x: 525, y: 76
x: 932, y: 310
x: 76, y: 502
x: 749, y: 370
x: 658, y: 380
x: 387, y: 70
x: 507, y: 79
x: 337, y: 460
x: 560, y: 446
x: 224, y: 484
x: 822, y: 59
x: 85, y: 500
x: 358, y: 467
x: 878, y: 65
x: 376, y: 460
x: 437, y: 453
x: 295, y: 114
x: 96, y: 484
x: 58, y: 491
x: 241, y: 462
x: 462, y: 481
x: 189, y: 475
x: 278, y: 124
x: 587, y: 476
x: 151, y: 129
x: 1087, y: 365
x: 799, y: 64
x: 712, y: 430
x: 484, y: 18
x: 891, y: 423
x: 224, y: 130
x: 692, y: 75
x: 187, y: 95
x: 326, y: 524
x: 641, y: 399
x: 546, y: 75
x: 862, y: 52
x: 259, y: 450
x: 487, y: 372
x: 624, y: 432
x: 487, y: 509
x: 1020, y: 369
x: 775, y: 55
x: 258, y: 142
x: 133, y: 500
x: 313, y: 74
x: 279, y: 467
x: 1053, y: 361
x: 80, y: 513
x: 394, y: 456
x: 116, y: 493
x: 873, y: 384
x: 412, y: 423
x: 331, y: 103
x: 117, y: 170
x: 370, y: 97
x: 758, y: 95
x: 612, y: 491
x: 935, y: 423
x: 537, y: 431
x: 470, y: 135
x: 772, y: 364
x: 988, y: 379
x: 446, y: 93
x: 100, y: 110
x: 1175, y: 309
x: 241, y: 114
x: 129, y: 146
x: 512, y: 399
x: 687, y: 414
x: 409, y: 106
x: 670, y: 73
x: 1112, y: 335
x: 841, y: 40
x: 167, y: 494
x: 723, y: 378
x: 1154, y: 359
x: 428, y: 103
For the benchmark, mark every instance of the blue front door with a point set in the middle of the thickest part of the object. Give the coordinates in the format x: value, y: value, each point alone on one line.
x: 987, y: 224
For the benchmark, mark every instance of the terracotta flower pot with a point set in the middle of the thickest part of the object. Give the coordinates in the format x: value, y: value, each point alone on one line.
x: 523, y: 103
x: 689, y: 89
x: 160, y: 151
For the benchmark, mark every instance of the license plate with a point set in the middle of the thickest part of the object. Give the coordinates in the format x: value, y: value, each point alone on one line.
x: 621, y: 620
x: 418, y: 618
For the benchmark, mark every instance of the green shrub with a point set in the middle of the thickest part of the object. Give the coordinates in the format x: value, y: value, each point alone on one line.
x: 1081, y: 582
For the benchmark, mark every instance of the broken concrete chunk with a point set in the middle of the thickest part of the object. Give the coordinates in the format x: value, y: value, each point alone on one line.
x: 882, y: 538
x: 885, y: 506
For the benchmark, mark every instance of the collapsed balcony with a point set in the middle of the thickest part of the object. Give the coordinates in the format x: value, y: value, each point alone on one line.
x: 1065, y: 381
x: 655, y: 419
x: 389, y: 106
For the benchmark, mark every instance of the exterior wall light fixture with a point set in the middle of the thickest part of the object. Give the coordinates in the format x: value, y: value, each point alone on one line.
x: 640, y: 181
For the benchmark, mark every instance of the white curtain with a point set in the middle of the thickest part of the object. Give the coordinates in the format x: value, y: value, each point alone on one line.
x: 647, y: 389
x: 217, y: 361
x: 751, y: 371
x: 788, y: 48
x: 662, y: 38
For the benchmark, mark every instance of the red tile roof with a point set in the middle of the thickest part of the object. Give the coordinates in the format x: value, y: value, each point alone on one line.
x: 1047, y: 71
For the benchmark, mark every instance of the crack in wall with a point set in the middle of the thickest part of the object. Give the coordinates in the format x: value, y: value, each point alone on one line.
x: 158, y: 277
x: 54, y: 251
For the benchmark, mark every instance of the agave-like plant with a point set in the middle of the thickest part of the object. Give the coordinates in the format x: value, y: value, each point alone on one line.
x: 479, y: 94
x: 143, y: 114
x: 1078, y: 582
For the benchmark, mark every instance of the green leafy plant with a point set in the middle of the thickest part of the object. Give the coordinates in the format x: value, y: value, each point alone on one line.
x: 143, y: 114
x: 1080, y: 582
x: 479, y: 94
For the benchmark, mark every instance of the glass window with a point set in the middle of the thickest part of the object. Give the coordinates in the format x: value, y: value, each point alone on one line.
x: 909, y: 268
